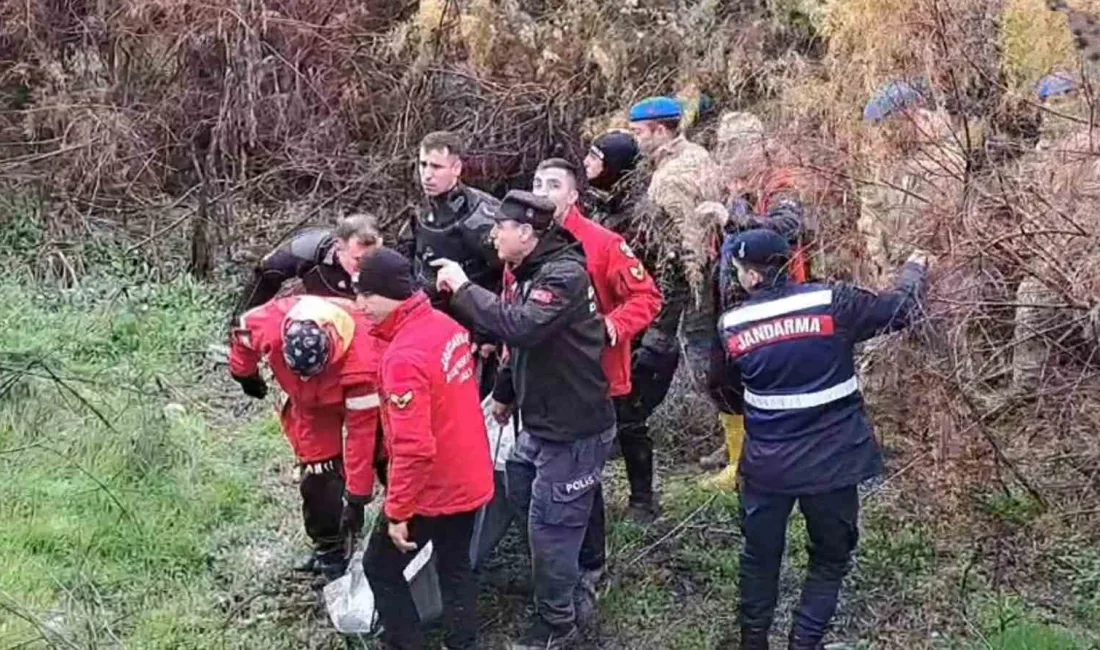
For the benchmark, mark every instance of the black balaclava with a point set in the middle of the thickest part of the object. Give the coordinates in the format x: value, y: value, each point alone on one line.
x: 619, y: 152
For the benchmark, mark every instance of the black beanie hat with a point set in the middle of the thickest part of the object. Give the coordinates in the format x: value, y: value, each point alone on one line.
x: 619, y: 152
x: 385, y: 273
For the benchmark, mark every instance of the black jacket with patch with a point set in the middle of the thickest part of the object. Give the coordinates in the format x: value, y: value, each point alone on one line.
x: 554, y: 338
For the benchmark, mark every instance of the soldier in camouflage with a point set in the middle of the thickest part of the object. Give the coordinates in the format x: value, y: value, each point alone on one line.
x: 684, y: 175
x: 895, y: 204
x: 1056, y: 302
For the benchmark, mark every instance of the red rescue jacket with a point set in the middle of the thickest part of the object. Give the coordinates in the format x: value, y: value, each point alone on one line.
x: 625, y: 293
x: 434, y: 428
x: 318, y: 408
x: 775, y: 184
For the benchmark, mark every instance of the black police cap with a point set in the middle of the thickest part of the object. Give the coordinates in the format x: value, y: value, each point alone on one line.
x: 525, y: 207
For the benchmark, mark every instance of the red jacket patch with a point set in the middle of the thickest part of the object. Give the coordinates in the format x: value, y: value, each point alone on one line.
x: 543, y: 296
x: 787, y: 328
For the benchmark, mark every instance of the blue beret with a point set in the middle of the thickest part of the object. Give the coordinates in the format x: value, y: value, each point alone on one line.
x: 656, y: 108
x: 1053, y: 85
x: 893, y: 97
x: 761, y: 247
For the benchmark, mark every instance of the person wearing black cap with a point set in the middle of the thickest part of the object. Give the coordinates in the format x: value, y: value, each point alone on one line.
x: 786, y: 363
x: 554, y: 338
x: 440, y: 472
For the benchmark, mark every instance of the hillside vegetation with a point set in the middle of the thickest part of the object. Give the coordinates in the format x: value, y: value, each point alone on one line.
x: 150, y: 149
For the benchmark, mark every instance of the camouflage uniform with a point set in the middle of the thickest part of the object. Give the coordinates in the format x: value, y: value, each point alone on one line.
x: 1056, y: 302
x: 895, y: 207
x: 684, y: 175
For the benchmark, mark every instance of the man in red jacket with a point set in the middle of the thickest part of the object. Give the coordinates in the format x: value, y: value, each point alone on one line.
x: 440, y: 472
x: 628, y: 299
x: 321, y: 352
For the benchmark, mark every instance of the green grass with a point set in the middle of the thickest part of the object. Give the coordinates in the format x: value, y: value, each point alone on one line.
x: 1011, y: 625
x: 124, y: 523
x: 115, y: 513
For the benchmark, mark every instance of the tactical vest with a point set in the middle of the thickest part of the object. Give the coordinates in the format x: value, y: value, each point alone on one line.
x: 455, y: 227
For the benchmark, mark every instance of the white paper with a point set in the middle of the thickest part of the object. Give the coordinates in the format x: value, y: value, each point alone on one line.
x: 502, y: 437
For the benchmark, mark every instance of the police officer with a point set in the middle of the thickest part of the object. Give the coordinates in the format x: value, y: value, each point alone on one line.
x: 786, y: 363
x: 324, y: 259
x: 454, y: 224
x: 554, y: 338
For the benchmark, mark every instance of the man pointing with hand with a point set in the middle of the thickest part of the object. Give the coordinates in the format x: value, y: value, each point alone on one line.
x: 554, y: 338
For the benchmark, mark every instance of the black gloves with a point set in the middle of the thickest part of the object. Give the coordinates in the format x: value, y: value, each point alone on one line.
x: 253, y: 386
x: 351, y: 519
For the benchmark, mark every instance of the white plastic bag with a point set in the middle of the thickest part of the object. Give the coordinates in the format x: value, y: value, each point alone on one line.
x: 349, y: 600
x: 502, y: 437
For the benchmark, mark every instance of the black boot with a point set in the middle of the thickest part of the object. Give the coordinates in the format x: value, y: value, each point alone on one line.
x: 638, y: 454
x: 796, y: 643
x: 643, y: 512
x: 307, y: 563
x: 754, y: 638
x: 330, y: 563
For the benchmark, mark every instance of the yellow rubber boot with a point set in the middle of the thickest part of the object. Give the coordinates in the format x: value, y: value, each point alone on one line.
x: 726, y: 480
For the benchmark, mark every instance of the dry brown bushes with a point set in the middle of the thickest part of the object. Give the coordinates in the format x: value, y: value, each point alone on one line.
x: 994, y: 212
x: 115, y: 106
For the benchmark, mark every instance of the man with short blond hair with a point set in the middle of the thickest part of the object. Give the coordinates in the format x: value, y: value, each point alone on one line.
x: 324, y: 259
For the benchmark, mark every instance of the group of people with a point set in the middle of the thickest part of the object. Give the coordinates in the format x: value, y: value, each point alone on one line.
x: 564, y: 310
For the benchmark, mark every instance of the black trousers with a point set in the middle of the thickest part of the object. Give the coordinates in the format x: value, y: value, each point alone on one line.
x: 322, y: 490
x: 651, y: 376
x: 487, y: 373
x: 832, y: 523
x: 384, y: 565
